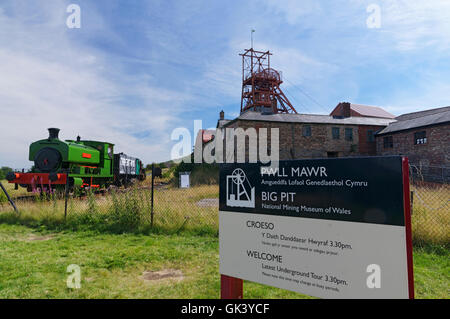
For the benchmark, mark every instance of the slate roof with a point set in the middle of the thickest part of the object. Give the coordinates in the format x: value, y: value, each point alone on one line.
x: 409, y: 116
x: 418, y: 119
x: 221, y: 123
x: 312, y: 118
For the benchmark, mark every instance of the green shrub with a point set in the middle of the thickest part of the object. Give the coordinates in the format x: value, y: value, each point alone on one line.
x: 3, y: 171
x: 201, y: 174
x: 126, y: 211
x: 169, y: 173
x: 205, y: 175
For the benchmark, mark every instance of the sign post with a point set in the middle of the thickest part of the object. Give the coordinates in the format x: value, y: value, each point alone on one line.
x: 408, y: 230
x: 330, y: 228
x: 231, y: 288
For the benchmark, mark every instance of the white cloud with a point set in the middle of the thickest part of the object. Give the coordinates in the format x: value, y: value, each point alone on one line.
x: 37, y: 94
x: 49, y: 80
x: 417, y: 24
x: 293, y: 10
x: 53, y: 76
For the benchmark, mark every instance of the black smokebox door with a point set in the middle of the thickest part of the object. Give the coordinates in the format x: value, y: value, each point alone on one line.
x: 47, y: 160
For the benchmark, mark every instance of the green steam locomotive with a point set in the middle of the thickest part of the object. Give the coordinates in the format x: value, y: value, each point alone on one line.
x: 76, y: 164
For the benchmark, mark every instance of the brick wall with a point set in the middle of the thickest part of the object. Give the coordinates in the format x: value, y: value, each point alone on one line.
x: 367, y: 147
x: 435, y: 152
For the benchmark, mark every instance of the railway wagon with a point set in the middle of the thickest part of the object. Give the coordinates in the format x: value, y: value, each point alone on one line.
x: 126, y: 168
x: 78, y: 163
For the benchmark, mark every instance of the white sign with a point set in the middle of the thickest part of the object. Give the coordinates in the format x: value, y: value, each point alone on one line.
x: 184, y: 180
x: 326, y: 259
x: 325, y: 228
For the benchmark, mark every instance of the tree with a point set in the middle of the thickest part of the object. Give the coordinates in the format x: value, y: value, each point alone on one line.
x: 3, y: 171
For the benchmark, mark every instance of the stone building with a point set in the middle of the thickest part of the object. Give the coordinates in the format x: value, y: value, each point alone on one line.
x: 348, y: 131
x: 359, y: 130
x: 422, y: 136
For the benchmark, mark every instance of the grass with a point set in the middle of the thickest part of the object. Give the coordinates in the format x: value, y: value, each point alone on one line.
x: 33, y: 265
x: 432, y: 272
x: 175, y: 210
x: 110, y: 238
x: 178, y: 209
x: 11, y: 191
x: 112, y: 266
x: 431, y: 214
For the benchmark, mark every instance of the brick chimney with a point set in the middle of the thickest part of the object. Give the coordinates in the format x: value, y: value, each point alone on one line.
x: 222, y: 115
x: 346, y: 109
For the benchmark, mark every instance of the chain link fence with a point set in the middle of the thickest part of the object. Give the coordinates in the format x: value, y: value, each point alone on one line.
x: 430, y: 203
x: 172, y: 210
x: 195, y: 209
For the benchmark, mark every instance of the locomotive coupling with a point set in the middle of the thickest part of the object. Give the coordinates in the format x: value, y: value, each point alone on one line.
x: 53, y: 176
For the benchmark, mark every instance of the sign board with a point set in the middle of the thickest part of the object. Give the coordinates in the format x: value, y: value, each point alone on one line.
x: 331, y: 228
x: 184, y: 179
x: 127, y: 165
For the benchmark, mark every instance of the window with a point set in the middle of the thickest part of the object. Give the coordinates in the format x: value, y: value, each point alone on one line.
x: 349, y: 134
x: 332, y: 154
x: 335, y: 133
x: 307, y: 130
x: 388, y: 142
x: 420, y: 138
x: 370, y: 136
x: 110, y: 151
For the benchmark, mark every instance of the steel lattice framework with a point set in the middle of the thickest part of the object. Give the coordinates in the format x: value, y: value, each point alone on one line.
x: 261, y: 84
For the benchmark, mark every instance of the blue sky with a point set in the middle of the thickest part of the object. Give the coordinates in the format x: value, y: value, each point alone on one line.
x: 136, y: 70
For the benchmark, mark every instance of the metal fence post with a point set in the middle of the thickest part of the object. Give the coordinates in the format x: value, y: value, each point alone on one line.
x: 66, y: 195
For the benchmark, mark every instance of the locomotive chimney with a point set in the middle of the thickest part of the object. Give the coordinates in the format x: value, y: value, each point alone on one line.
x: 53, y: 133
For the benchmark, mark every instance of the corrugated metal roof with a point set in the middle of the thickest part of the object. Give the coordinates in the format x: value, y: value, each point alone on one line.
x: 415, y: 122
x: 313, y: 118
x: 375, y: 111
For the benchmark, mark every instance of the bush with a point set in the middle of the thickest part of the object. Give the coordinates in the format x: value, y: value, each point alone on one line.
x: 205, y: 175
x: 201, y: 174
x: 169, y: 173
x: 126, y: 211
x: 3, y: 171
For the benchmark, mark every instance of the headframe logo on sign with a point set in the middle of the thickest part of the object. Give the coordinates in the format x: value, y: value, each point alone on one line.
x: 240, y: 192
